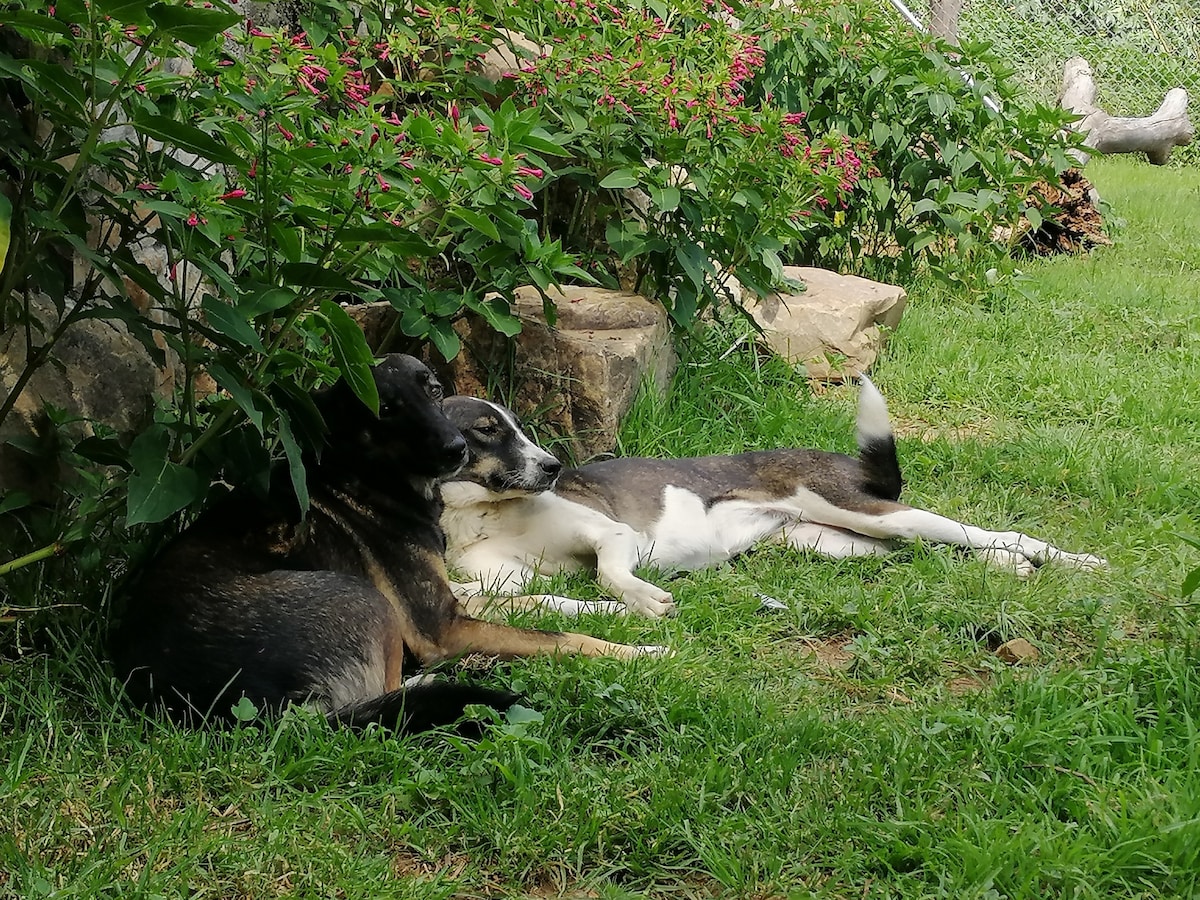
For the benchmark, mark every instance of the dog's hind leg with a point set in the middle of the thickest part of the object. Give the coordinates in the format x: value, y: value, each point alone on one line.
x: 899, y: 521
x: 832, y: 542
x: 468, y: 635
x: 421, y: 706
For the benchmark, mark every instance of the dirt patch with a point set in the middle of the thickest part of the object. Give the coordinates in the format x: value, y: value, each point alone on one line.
x: 928, y: 432
x: 962, y: 685
x: 410, y: 863
x: 831, y: 653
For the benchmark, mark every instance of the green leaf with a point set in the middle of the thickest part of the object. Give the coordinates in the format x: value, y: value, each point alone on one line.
x: 267, y: 300
x: 158, y: 488
x: 244, y: 710
x: 129, y: 11
x: 241, y: 394
x: 14, y: 500
x: 191, y: 24
x: 57, y: 81
x: 445, y: 338
x: 1191, y: 583
x: 5, y: 228
x: 231, y: 322
x: 33, y: 22
x: 540, y: 141
x: 666, y: 199
x: 187, y: 137
x: 398, y: 238
x: 295, y: 460
x: 522, y: 715
x: 627, y: 239
x: 1034, y: 215
x: 771, y: 260
x: 479, y: 222
x: 622, y: 178
x: 104, y: 450
x: 694, y: 261
x: 311, y: 275
x: 354, y: 358
x: 496, y: 313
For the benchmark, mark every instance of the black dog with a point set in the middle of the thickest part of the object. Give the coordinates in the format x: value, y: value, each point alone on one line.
x: 332, y: 609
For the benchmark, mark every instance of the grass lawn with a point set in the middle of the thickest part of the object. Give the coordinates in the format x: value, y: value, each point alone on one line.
x: 865, y: 743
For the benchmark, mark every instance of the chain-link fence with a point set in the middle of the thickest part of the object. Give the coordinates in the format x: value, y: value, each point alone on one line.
x: 1138, y: 49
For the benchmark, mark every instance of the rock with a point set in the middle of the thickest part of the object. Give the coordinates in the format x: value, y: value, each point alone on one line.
x: 834, y: 327
x: 98, y: 372
x: 582, y: 375
x: 510, y: 51
x: 579, y: 377
x: 1018, y: 652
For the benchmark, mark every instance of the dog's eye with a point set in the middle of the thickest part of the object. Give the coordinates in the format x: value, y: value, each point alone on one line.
x: 488, y: 430
x: 436, y: 393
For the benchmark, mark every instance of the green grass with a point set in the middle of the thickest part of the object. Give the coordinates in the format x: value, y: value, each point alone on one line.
x: 904, y: 759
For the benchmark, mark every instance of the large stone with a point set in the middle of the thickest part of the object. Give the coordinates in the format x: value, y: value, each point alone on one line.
x: 97, y: 372
x: 579, y: 377
x: 510, y: 52
x: 834, y: 328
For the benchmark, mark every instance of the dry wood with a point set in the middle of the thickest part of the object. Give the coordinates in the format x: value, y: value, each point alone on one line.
x: 1155, y: 135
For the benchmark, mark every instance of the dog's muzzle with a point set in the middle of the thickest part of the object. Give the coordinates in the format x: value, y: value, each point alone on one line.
x: 454, y: 455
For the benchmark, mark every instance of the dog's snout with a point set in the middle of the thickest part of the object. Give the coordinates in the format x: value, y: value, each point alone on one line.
x: 550, y: 467
x: 455, y: 451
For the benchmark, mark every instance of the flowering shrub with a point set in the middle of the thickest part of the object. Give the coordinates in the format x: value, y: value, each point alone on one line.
x: 279, y: 175
x: 671, y: 168
x: 360, y: 154
x: 951, y: 176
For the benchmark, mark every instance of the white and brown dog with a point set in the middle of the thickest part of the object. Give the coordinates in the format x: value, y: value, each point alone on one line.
x: 513, y: 512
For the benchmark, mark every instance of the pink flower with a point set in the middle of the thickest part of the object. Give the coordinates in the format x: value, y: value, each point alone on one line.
x: 494, y: 160
x: 235, y: 194
x: 253, y: 173
x: 383, y: 185
x: 480, y: 129
x: 529, y: 170
x: 147, y: 186
x: 454, y: 114
x: 287, y: 134
x: 523, y: 191
x: 193, y: 220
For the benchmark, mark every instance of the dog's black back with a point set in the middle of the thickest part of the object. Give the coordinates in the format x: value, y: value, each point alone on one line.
x: 257, y: 600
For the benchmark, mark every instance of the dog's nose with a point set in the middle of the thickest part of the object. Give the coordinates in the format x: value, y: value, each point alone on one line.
x: 455, y: 452
x: 551, y: 467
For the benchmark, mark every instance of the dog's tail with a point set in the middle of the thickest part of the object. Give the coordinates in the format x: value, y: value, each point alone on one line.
x: 877, y: 444
x: 420, y: 707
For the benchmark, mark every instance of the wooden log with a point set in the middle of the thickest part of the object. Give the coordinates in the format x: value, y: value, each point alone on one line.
x: 1155, y: 135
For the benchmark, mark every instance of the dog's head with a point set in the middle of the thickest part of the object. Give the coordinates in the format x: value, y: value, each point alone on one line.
x: 411, y: 436
x: 500, y: 457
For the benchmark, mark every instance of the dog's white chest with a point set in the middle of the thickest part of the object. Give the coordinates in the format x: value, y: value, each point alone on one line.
x: 688, y: 535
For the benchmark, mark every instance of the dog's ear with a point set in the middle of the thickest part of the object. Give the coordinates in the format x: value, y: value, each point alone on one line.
x: 340, y: 409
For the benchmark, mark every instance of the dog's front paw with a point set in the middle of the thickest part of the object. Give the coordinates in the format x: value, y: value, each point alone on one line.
x: 655, y: 603
x: 1087, y: 562
x: 572, y: 607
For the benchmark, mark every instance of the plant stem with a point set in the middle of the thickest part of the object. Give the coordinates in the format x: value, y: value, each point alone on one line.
x: 58, y: 548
